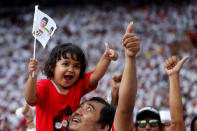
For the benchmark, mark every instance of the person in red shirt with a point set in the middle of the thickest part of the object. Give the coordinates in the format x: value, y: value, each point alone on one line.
x: 58, y: 96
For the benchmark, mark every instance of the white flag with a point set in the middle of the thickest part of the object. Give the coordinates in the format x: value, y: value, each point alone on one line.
x: 43, y: 27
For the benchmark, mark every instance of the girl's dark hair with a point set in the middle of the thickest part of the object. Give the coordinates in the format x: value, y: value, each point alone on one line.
x: 61, y: 51
x: 192, y: 123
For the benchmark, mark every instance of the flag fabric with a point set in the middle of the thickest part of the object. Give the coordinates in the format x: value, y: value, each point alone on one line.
x: 43, y: 27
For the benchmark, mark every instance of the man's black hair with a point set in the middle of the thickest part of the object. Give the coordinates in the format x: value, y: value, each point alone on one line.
x: 106, y: 114
x: 61, y: 51
x: 192, y: 123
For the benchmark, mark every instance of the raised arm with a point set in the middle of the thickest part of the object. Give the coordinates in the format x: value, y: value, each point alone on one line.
x: 173, y: 66
x: 25, y: 108
x: 115, y: 89
x: 30, y: 90
x: 28, y: 114
x: 128, y: 87
x: 102, y: 65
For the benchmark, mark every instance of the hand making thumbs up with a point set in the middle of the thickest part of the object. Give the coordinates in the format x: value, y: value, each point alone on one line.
x: 110, y: 53
x: 173, y: 65
x: 130, y: 42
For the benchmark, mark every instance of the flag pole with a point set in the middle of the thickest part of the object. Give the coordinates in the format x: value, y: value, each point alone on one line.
x: 34, y: 54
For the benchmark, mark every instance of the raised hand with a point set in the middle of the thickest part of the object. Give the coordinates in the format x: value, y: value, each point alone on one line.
x: 130, y: 42
x: 110, y: 53
x: 33, y: 67
x: 173, y: 65
x: 115, y: 89
x: 116, y: 81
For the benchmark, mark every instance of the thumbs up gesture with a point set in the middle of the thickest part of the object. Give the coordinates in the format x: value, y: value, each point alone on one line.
x: 173, y: 65
x: 110, y: 53
x: 130, y: 42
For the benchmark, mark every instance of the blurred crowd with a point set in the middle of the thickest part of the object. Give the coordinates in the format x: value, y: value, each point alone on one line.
x: 162, y: 31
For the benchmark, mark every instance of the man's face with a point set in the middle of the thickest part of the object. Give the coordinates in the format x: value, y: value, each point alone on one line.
x: 148, y: 126
x: 167, y: 125
x: 43, y: 23
x: 86, y: 117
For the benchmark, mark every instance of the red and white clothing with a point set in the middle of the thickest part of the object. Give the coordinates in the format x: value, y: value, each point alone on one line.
x: 54, y: 108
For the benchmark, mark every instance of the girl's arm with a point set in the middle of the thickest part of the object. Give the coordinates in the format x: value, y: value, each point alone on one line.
x: 30, y: 90
x: 102, y: 65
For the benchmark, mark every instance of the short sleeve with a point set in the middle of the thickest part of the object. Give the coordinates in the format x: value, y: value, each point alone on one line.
x: 85, y: 80
x: 41, y: 91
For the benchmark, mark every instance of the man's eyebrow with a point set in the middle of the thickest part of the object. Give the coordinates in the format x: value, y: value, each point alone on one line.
x: 91, y: 106
x: 81, y: 104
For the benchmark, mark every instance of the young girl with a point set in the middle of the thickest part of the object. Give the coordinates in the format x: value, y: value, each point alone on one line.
x: 58, y: 96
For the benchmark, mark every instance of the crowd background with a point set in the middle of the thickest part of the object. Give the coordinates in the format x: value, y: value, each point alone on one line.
x: 164, y: 30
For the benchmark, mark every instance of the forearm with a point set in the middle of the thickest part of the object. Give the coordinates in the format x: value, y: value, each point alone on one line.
x: 114, y: 101
x: 100, y: 70
x: 127, y: 93
x: 30, y: 90
x: 176, y: 107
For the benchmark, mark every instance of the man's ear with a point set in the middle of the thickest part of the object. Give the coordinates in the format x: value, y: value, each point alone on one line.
x: 103, y: 128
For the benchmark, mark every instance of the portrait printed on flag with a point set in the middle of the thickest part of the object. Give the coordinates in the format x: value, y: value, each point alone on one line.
x: 44, y: 30
x: 43, y: 27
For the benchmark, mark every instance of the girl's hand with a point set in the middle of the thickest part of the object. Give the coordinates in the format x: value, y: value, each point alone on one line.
x: 110, y: 53
x: 33, y: 67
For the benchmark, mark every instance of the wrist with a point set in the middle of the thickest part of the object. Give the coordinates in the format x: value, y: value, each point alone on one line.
x: 31, y: 76
x: 106, y: 57
x: 130, y: 57
x: 174, y: 75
